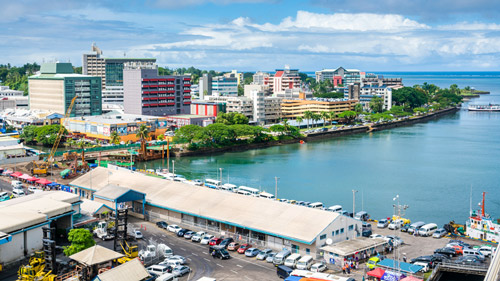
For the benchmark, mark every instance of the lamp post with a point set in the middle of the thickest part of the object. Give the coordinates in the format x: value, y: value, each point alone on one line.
x: 354, y: 202
x: 220, y: 169
x: 276, y: 187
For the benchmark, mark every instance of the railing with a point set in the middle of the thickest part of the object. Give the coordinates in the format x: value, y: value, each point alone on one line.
x: 463, y: 267
x: 106, y: 148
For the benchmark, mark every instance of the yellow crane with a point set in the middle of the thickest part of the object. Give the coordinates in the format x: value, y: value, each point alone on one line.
x: 42, y: 168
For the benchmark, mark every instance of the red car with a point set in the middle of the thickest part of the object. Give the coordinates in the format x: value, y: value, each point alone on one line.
x: 243, y: 248
x: 215, y: 241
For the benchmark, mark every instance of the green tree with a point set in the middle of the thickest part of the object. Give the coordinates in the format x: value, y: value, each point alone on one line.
x: 316, y: 117
x: 231, y: 118
x: 189, y: 132
x: 332, y: 116
x: 47, y: 134
x: 299, y: 119
x: 412, y: 97
x: 80, y: 239
x: 115, y: 138
x: 377, y: 104
x: 325, y: 115
x: 348, y: 115
x: 308, y: 116
x: 29, y: 134
x: 160, y: 137
x: 241, y: 91
x: 280, y: 129
x: 143, y: 134
x: 358, y: 108
x: 241, y: 130
x: 217, y: 134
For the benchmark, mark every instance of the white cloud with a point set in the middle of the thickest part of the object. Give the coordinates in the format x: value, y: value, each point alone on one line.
x: 175, y: 4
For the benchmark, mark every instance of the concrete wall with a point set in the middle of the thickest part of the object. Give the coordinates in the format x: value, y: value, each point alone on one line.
x: 18, y: 160
x: 342, y: 222
x: 13, y: 250
x: 34, y: 240
x: 47, y: 95
x: 132, y: 91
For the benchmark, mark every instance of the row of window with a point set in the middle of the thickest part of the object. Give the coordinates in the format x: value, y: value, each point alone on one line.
x: 337, y: 232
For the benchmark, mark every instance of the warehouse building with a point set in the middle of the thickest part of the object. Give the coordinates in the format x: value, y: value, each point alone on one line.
x: 262, y: 222
x: 22, y: 219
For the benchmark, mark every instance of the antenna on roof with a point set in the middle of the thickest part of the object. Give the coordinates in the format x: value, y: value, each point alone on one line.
x: 124, y: 54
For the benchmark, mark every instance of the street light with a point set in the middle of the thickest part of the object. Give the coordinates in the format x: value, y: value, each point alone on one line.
x: 276, y: 187
x: 220, y: 169
x: 354, y: 202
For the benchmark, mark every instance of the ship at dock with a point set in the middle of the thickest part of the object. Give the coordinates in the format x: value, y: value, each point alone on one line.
x: 481, y: 226
x: 484, y: 107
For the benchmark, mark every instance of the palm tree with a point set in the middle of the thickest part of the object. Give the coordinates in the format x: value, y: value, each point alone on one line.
x: 115, y: 138
x: 333, y: 115
x: 286, y: 125
x: 143, y: 134
x: 325, y: 115
x: 308, y: 116
x: 299, y: 120
x: 316, y: 117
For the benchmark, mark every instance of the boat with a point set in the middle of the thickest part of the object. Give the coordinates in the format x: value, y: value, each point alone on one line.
x: 481, y: 226
x: 484, y: 107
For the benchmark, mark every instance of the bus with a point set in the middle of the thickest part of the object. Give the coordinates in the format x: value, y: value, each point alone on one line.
x: 266, y: 195
x: 253, y: 191
x: 212, y: 183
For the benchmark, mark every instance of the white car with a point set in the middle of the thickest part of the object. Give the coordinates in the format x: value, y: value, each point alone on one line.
x: 196, y: 182
x: 176, y: 258
x: 173, y: 228
x: 318, y: 267
x: 396, y: 224
x: 376, y: 236
x: 198, y: 236
x: 138, y: 234
x: 424, y: 265
x: 206, y: 239
x: 33, y: 189
x: 17, y: 184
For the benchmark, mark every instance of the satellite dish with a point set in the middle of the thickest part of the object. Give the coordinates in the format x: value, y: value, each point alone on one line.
x: 329, y: 241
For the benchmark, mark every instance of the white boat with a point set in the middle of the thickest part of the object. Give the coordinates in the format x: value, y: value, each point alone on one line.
x: 481, y: 226
x: 484, y: 107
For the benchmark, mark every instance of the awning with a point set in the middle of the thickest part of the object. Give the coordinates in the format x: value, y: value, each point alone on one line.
x: 53, y: 184
x: 16, y: 174
x: 65, y: 188
x: 8, y: 172
x: 392, y: 276
x: 32, y: 179
x: 95, y: 255
x: 377, y: 272
x: 43, y: 181
x: 411, y: 278
x: 25, y: 176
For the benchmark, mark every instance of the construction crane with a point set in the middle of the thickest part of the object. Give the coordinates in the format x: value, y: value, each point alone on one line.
x: 43, y: 167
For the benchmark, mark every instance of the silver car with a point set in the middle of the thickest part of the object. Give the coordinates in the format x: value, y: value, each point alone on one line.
x: 264, y: 254
x: 270, y: 257
x: 181, y: 270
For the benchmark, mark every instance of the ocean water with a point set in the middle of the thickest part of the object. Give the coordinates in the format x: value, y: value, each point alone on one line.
x: 432, y: 166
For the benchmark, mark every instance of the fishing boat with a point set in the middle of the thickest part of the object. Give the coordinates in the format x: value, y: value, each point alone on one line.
x: 481, y: 226
x: 484, y: 107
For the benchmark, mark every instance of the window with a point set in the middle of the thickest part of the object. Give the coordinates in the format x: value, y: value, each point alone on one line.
x: 308, y: 251
x: 322, y: 237
x: 342, y: 230
x: 337, y: 232
x: 333, y: 233
x: 351, y: 227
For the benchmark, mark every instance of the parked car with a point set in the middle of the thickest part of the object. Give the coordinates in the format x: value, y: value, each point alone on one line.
x: 429, y: 260
x: 215, y: 241
x: 425, y: 266
x: 372, y: 262
x: 366, y: 233
x: 394, y: 240
x: 441, y: 232
x: 440, y: 257
x: 233, y: 246
x: 181, y: 270
x: 270, y: 257
x: 162, y: 224
x: 404, y: 227
x: 181, y: 232
x: 469, y: 260
x: 173, y: 228
x: 263, y: 254
x: 446, y: 251
x: 243, y: 248
x: 4, y: 196
x: 486, y: 250
x: 252, y: 252
x: 375, y: 235
x: 137, y: 234
x: 219, y: 252
x: 226, y: 242
x: 458, y: 249
x: 318, y: 267
x: 176, y: 258
x: 460, y: 243
x: 396, y: 224
x: 197, y: 182
x: 189, y: 234
x: 206, y: 239
x: 18, y: 193
x: 383, y: 223
x: 198, y: 236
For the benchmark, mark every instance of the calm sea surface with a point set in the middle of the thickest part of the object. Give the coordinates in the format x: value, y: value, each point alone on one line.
x: 431, y: 166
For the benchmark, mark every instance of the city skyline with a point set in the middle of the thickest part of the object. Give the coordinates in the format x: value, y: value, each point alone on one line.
x: 252, y: 35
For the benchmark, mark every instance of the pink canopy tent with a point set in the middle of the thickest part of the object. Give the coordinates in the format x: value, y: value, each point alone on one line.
x: 43, y: 181
x: 16, y: 174
x: 25, y: 176
x: 8, y: 172
x: 32, y: 179
x: 411, y: 278
x: 377, y: 272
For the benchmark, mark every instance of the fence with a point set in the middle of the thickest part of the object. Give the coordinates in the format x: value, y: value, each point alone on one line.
x: 105, y: 148
x: 16, y: 160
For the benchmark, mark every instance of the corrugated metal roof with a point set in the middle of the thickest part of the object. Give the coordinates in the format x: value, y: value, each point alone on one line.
x: 349, y: 247
x: 90, y: 207
x: 268, y: 216
x: 95, y: 255
x: 111, y: 191
x: 129, y: 271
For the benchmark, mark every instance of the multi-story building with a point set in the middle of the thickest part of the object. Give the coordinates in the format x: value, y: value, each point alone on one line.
x: 12, y: 98
x: 342, y: 75
x: 261, y: 78
x: 205, y: 85
x: 243, y: 105
x: 235, y: 74
x: 147, y: 93
x: 265, y: 109
x: 200, y: 107
x: 380, y: 80
x: 225, y: 86
x: 367, y: 92
x: 292, y: 109
x: 284, y: 79
x: 56, y: 85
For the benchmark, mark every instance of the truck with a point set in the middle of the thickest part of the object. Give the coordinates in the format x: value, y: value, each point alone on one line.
x: 149, y: 253
x: 101, y: 231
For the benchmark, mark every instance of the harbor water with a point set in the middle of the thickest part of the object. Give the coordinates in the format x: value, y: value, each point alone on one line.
x: 432, y: 166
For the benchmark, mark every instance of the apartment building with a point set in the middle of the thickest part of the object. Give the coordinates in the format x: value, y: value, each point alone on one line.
x: 147, y: 93
x: 284, y: 79
x: 367, y: 92
x: 235, y: 74
x: 292, y: 109
x: 12, y: 98
x: 205, y: 85
x: 266, y: 109
x: 200, y: 107
x: 243, y: 105
x: 225, y: 86
x: 56, y: 85
x: 261, y: 78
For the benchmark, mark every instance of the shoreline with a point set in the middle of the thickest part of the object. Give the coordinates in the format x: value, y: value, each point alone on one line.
x: 319, y: 135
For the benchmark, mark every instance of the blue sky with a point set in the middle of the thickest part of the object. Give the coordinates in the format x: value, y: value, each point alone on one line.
x: 383, y: 35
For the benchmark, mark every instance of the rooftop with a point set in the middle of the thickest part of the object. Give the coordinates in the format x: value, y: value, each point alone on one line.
x: 288, y: 221
x: 113, y: 118
x: 129, y: 271
x: 349, y: 247
x: 188, y: 116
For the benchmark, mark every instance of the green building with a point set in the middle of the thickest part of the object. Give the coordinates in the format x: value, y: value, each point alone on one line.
x: 56, y: 85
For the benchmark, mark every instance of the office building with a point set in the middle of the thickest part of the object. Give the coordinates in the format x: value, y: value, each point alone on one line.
x: 235, y: 74
x: 367, y: 92
x: 200, y: 107
x: 266, y: 109
x: 243, y: 105
x: 225, y: 86
x: 261, y: 78
x: 12, y: 99
x: 342, y: 76
x: 205, y: 85
x: 291, y: 109
x: 189, y: 119
x: 56, y: 85
x: 147, y: 93
x: 284, y: 79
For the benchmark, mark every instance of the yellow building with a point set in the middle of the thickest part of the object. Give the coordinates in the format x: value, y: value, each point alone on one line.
x: 126, y: 125
x: 291, y: 109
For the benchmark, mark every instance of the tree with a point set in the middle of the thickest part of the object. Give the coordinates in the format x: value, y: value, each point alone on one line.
x: 231, y: 118
x: 358, y: 108
x: 160, y: 137
x: 332, y: 116
x: 316, y: 117
x: 348, y: 115
x: 412, y: 97
x: 80, y: 239
x: 29, y: 134
x: 142, y: 134
x: 299, y: 120
x: 115, y: 138
x: 330, y: 95
x: 241, y: 91
x: 308, y: 116
x: 189, y: 132
x: 280, y: 129
x: 242, y: 130
x: 377, y: 104
x: 217, y: 133
x: 47, y: 134
x: 325, y: 115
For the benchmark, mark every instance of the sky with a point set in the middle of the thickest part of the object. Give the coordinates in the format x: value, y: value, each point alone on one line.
x: 251, y: 35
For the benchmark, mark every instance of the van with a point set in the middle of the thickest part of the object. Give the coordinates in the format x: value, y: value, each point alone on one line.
x: 158, y: 269
x: 415, y: 226
x: 212, y: 183
x: 305, y: 263
x: 228, y: 187
x: 292, y: 260
x: 17, y: 184
x: 428, y: 229
x: 252, y: 191
x: 166, y: 277
x: 266, y: 195
x: 281, y: 256
x: 473, y: 252
x: 242, y: 192
x: 18, y: 193
x: 283, y: 271
x: 316, y: 205
x: 362, y: 216
x: 4, y: 196
x: 335, y: 208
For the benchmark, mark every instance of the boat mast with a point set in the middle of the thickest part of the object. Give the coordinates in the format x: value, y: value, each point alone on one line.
x: 482, y: 205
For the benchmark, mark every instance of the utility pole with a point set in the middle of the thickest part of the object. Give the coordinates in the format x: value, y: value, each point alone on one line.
x: 173, y: 167
x: 354, y: 202
x: 399, y: 211
x: 276, y: 187
x: 220, y: 169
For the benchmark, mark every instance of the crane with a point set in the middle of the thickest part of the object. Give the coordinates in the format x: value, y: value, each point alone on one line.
x: 42, y: 168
